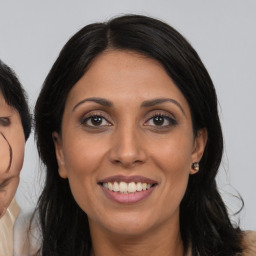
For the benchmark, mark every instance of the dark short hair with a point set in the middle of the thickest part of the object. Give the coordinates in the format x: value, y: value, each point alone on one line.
x: 204, y: 221
x: 15, y: 96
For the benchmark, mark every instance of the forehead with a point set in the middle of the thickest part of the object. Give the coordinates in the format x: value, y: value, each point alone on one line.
x: 122, y: 75
x: 121, y: 63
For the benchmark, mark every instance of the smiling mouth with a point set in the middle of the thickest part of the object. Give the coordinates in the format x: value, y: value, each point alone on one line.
x: 125, y: 187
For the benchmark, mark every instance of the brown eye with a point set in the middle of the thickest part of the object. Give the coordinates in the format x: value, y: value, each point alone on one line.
x: 158, y: 120
x: 5, y: 121
x: 95, y: 120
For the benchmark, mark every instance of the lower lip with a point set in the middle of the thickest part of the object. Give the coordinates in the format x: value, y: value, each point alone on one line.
x: 127, y: 198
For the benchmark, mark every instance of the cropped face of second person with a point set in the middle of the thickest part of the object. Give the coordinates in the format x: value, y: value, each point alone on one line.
x: 12, y: 144
x: 127, y: 145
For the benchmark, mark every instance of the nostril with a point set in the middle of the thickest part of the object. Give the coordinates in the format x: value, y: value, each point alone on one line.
x: 127, y: 155
x: 127, y: 163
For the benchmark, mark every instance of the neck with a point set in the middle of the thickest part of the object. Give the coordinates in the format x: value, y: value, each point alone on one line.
x: 164, y: 240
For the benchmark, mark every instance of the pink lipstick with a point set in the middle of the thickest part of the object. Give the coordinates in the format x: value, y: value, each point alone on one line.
x: 127, y: 189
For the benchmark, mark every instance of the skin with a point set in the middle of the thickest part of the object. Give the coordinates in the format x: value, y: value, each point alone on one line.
x: 11, y: 132
x: 129, y: 142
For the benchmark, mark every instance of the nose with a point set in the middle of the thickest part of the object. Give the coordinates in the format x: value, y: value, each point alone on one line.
x: 127, y: 147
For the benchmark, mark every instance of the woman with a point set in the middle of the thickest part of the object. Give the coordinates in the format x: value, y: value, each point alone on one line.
x: 128, y: 128
x: 15, y: 126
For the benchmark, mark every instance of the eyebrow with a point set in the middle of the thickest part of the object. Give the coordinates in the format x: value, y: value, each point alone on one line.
x: 100, y: 101
x: 147, y: 103
x: 154, y: 102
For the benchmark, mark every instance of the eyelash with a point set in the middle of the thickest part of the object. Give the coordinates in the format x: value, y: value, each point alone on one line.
x: 87, y: 121
x: 94, y: 116
x: 171, y: 121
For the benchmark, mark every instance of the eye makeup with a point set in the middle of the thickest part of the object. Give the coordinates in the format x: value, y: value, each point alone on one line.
x: 95, y: 120
x: 158, y: 101
x: 160, y: 120
x: 157, y: 119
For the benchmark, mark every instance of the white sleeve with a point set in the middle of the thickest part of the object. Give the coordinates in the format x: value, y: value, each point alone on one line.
x: 27, y: 235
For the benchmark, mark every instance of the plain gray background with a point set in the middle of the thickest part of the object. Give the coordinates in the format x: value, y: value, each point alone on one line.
x: 223, y: 32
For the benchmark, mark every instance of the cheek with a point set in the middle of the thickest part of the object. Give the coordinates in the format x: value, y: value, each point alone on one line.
x: 4, y: 155
x: 176, y: 173
x: 16, y: 140
x: 18, y: 156
x: 174, y: 154
x: 82, y: 156
x: 173, y: 159
x: 82, y: 160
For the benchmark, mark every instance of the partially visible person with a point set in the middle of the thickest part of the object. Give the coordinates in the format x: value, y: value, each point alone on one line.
x: 15, y: 127
x: 127, y: 126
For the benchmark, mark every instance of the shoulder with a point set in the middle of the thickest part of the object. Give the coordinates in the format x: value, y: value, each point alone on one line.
x: 249, y: 242
x: 27, y: 235
x: 6, y: 228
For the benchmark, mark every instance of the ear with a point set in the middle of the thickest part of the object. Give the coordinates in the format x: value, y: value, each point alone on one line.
x: 59, y: 155
x: 198, y: 148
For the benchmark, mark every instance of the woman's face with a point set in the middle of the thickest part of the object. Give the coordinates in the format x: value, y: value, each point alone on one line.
x: 12, y: 143
x: 127, y: 144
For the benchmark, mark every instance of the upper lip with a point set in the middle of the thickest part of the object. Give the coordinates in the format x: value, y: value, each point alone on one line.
x: 127, y: 179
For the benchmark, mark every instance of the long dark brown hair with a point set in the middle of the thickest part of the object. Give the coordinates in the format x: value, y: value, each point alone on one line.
x: 204, y: 220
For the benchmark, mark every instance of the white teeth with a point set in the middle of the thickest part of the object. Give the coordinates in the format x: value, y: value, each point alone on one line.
x: 116, y: 187
x: 131, y: 187
x: 125, y: 188
x: 110, y: 186
x: 139, y: 186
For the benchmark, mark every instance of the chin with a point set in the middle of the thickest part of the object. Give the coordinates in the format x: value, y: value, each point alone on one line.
x: 131, y: 230
x: 129, y: 224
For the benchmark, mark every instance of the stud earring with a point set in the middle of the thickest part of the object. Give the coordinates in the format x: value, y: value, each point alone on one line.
x: 195, y: 166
